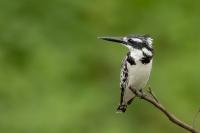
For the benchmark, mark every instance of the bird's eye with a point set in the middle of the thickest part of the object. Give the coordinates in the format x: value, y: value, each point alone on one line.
x: 130, y: 40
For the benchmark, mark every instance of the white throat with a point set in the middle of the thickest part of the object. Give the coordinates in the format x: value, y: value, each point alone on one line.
x: 136, y: 54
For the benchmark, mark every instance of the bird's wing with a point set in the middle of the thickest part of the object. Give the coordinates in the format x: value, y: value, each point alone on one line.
x: 123, y: 78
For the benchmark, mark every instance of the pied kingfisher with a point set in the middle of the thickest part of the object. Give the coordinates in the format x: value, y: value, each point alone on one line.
x: 136, y: 66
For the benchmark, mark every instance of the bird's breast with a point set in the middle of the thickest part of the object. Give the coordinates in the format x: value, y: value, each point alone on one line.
x: 139, y: 74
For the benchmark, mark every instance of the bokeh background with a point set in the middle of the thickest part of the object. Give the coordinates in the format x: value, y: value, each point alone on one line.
x: 57, y: 77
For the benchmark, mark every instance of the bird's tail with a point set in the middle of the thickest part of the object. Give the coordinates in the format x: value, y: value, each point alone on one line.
x: 126, y: 99
x: 121, y: 108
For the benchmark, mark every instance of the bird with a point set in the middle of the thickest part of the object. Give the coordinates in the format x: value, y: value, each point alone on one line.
x: 135, y: 68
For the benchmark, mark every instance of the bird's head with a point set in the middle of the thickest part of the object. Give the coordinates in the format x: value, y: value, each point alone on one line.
x: 133, y: 41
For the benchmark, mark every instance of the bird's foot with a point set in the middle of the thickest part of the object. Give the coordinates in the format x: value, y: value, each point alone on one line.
x: 137, y: 92
x: 142, y: 92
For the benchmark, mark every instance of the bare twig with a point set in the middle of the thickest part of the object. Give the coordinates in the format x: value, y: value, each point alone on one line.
x: 153, y: 95
x: 195, y: 117
x: 151, y: 98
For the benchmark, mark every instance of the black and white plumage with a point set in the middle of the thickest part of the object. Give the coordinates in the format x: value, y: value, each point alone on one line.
x: 136, y: 66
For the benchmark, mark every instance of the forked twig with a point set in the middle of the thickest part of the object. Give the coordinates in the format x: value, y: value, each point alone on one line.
x: 153, y: 95
x: 151, y: 98
x: 195, y: 117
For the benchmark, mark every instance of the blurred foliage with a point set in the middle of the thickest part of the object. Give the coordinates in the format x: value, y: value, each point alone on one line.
x: 57, y: 77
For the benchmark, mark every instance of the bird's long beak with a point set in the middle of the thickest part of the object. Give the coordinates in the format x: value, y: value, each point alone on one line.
x: 114, y: 39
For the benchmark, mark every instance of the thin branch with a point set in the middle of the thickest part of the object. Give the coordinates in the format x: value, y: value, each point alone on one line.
x: 195, y: 117
x: 151, y: 98
x: 153, y: 95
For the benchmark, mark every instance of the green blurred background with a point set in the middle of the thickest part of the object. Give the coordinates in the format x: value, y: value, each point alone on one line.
x: 57, y: 77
